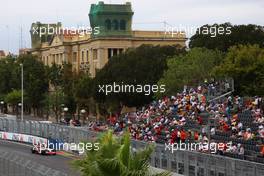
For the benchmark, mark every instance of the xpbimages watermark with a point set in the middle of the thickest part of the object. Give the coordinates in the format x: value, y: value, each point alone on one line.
x: 212, y: 147
x: 80, y: 147
x: 130, y: 88
x: 212, y: 31
x: 51, y: 30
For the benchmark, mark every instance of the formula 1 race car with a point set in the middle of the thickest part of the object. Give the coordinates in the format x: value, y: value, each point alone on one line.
x: 43, y: 150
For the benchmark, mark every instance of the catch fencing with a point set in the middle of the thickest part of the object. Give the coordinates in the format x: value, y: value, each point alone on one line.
x: 188, y: 163
x: 191, y: 163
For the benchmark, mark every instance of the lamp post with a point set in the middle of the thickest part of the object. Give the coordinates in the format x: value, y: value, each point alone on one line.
x: 2, y: 106
x: 83, y: 111
x: 22, y: 92
x: 65, y: 109
x: 61, y: 111
x: 19, y: 106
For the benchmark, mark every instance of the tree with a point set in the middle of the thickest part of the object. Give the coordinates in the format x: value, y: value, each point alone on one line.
x: 14, y: 98
x: 69, y: 79
x: 115, y: 158
x: 8, y: 78
x: 84, y: 92
x: 83, y: 89
x: 54, y: 100
x: 55, y: 75
x: 141, y: 66
x: 245, y: 65
x: 209, y: 36
x: 189, y: 69
x: 35, y: 80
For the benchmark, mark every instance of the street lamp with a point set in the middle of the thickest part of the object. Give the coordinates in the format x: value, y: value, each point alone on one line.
x: 19, y: 105
x: 22, y: 91
x: 61, y: 111
x: 2, y: 105
x: 83, y: 111
x: 65, y: 109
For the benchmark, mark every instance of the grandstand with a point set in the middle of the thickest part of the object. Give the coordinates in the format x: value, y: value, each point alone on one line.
x: 206, y: 114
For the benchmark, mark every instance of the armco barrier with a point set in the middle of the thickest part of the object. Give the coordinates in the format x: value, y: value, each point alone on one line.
x: 182, y: 162
x: 22, y: 138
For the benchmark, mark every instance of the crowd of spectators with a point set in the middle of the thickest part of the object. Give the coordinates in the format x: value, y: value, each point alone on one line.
x: 244, y: 125
x: 185, y: 117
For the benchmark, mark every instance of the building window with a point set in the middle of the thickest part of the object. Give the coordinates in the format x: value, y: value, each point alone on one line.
x: 53, y: 58
x: 122, y: 25
x: 109, y: 53
x: 57, y: 59
x: 82, y: 56
x: 108, y: 24
x: 65, y: 59
x: 115, y: 52
x: 74, y: 57
x: 87, y: 56
x: 115, y: 25
x: 61, y: 58
x: 95, y: 54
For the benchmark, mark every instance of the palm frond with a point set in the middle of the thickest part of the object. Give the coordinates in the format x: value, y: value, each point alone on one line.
x: 124, y: 152
x: 115, y: 158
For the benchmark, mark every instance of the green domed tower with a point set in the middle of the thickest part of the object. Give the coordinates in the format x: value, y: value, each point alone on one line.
x: 112, y: 20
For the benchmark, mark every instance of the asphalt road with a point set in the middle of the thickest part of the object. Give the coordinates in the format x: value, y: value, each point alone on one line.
x: 60, y: 162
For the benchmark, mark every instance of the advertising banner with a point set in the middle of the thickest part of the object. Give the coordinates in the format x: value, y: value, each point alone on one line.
x: 22, y: 138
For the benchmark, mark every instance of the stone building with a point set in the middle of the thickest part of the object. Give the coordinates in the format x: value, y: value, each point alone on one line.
x: 110, y: 34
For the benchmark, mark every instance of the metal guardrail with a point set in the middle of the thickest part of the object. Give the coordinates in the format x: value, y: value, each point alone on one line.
x: 13, y: 165
x: 220, y: 98
x: 183, y: 162
x: 224, y: 88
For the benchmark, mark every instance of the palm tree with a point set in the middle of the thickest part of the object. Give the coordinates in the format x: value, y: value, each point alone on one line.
x: 115, y: 158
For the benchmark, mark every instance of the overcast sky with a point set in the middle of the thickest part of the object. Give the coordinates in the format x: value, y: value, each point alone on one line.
x: 149, y: 15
